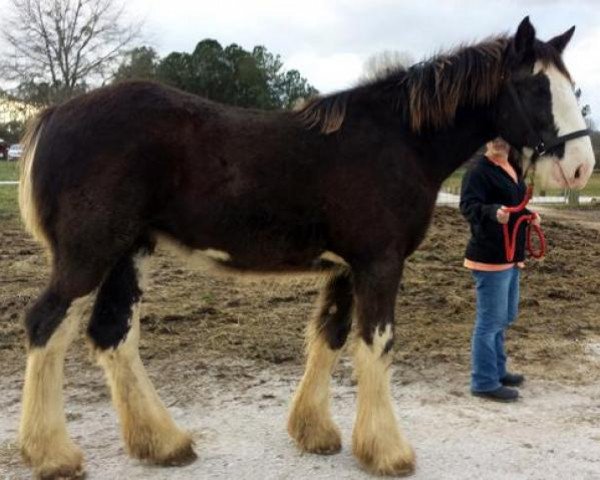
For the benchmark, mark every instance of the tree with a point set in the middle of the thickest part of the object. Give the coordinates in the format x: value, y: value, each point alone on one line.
x: 234, y: 76
x: 286, y: 87
x: 34, y: 93
x: 141, y: 63
x: 64, y: 44
x: 175, y: 70
x: 12, y: 131
x: 291, y: 87
x: 211, y: 72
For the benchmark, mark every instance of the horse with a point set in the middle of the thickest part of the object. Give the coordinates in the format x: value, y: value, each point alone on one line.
x: 344, y: 185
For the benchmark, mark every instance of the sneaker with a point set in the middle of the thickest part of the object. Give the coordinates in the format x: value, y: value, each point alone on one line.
x: 501, y: 394
x: 512, y: 380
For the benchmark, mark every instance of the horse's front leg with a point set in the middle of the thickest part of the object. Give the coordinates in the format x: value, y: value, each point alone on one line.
x: 377, y: 441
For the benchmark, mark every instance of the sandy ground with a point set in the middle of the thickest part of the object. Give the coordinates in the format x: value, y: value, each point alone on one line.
x: 226, y: 355
x: 239, y: 428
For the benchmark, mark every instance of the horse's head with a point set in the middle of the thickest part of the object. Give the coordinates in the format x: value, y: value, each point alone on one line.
x: 538, y: 111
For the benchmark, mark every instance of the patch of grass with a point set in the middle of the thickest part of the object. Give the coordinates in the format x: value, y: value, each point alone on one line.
x: 452, y: 183
x: 208, y: 297
x: 584, y: 207
x: 8, y: 202
x: 9, y: 170
x: 592, y: 189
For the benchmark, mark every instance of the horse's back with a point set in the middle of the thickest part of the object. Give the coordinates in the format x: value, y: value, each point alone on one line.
x: 103, y: 159
x: 140, y: 158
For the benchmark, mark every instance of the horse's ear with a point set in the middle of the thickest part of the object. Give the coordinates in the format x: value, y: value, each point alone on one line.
x: 560, y: 41
x: 524, y: 38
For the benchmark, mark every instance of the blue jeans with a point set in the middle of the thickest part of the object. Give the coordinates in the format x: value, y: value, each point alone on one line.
x: 497, y: 307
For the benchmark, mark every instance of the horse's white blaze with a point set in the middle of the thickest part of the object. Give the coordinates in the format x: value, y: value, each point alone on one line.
x: 147, y: 427
x: 575, y: 168
x: 377, y: 440
x: 43, y: 436
x: 310, y: 422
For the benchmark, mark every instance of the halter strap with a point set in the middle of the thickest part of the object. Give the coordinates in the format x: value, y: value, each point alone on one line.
x: 534, y: 139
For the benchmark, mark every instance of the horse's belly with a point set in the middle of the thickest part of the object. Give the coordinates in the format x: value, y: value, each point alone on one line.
x: 257, y: 254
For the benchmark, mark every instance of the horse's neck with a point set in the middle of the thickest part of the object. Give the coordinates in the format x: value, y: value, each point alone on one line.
x: 450, y: 148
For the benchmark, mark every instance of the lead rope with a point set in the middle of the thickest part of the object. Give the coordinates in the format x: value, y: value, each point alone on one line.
x: 510, y: 239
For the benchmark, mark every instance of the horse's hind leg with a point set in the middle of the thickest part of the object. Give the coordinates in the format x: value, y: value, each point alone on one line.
x: 51, y: 324
x: 148, y: 430
x: 310, y: 422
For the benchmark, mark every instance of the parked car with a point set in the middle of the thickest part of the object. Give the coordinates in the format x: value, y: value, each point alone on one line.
x: 15, y: 151
x: 3, y: 149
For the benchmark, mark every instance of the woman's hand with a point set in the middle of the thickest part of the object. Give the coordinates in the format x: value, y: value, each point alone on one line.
x: 502, y: 215
x: 537, y: 220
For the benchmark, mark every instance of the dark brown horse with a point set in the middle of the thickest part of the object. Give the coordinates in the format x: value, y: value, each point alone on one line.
x: 351, y: 177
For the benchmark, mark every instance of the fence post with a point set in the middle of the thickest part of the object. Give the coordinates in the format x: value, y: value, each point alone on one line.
x: 573, y: 199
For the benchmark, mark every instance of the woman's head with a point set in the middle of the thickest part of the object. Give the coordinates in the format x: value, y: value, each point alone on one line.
x: 498, y: 147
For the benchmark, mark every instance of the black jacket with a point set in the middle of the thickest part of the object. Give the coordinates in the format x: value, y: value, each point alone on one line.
x: 485, y: 188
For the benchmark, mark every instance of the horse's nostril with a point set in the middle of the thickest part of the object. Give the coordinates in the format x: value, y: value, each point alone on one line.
x: 578, y: 172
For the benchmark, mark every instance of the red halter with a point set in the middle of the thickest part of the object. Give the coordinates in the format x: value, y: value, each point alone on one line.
x: 510, y: 241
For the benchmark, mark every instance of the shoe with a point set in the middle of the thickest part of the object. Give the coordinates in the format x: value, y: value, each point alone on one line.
x: 512, y: 380
x: 501, y: 394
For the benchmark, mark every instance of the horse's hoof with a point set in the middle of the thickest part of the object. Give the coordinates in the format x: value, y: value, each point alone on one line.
x: 174, y: 450
x: 322, y: 438
x: 63, y: 462
x: 180, y: 457
x: 394, y: 461
x: 62, y: 473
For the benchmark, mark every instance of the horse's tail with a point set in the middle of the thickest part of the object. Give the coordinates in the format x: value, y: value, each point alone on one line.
x: 27, y: 195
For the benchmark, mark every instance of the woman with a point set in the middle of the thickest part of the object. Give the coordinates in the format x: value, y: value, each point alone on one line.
x: 495, y: 180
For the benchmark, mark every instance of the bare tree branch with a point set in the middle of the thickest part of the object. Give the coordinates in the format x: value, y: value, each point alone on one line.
x: 65, y: 43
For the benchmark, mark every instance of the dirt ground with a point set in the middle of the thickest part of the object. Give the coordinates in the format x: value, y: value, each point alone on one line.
x: 226, y: 353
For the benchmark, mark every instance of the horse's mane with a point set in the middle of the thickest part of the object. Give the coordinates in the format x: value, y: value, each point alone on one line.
x: 429, y: 93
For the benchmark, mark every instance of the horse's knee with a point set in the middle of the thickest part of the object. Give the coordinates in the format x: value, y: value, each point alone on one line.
x: 113, y: 308
x: 71, y: 286
x: 378, y: 336
x: 45, y: 316
x: 334, y: 318
x: 383, y: 337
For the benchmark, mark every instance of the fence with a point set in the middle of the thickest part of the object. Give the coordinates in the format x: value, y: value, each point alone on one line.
x: 450, y: 194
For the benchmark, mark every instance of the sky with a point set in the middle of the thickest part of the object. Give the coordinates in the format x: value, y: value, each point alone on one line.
x: 329, y: 41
